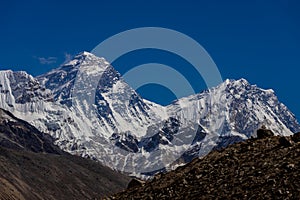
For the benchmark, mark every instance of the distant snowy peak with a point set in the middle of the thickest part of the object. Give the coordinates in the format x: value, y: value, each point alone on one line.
x: 252, y: 98
x: 86, y: 58
x: 243, y: 84
x: 61, y: 80
x: 88, y: 82
x: 240, y: 107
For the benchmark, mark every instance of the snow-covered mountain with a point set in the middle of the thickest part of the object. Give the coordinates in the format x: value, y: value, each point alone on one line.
x: 234, y: 110
x: 88, y: 83
x: 91, y: 111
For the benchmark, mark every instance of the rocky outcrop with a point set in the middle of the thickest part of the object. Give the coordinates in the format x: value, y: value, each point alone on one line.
x: 135, y: 183
x: 296, y: 137
x: 264, y: 133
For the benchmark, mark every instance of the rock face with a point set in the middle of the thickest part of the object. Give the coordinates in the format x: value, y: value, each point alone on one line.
x: 32, y: 167
x: 135, y: 183
x: 256, y: 168
x: 264, y: 133
x: 296, y: 137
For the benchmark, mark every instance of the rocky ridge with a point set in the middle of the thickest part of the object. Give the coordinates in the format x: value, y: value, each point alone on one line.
x: 259, y: 168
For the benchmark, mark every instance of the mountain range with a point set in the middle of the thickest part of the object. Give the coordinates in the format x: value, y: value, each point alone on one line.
x: 89, y: 110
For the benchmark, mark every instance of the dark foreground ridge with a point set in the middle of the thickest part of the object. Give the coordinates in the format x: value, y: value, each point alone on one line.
x: 32, y: 167
x: 262, y: 168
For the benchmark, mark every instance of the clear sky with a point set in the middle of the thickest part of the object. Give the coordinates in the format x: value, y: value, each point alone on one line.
x: 256, y: 40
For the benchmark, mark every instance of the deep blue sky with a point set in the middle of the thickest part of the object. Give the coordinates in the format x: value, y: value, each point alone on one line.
x: 256, y: 40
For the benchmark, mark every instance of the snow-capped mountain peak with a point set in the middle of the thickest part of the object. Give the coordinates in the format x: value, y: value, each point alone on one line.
x: 92, y: 83
x: 85, y: 58
x: 86, y: 53
x: 243, y: 84
x: 239, y: 81
x: 242, y: 104
x: 61, y: 81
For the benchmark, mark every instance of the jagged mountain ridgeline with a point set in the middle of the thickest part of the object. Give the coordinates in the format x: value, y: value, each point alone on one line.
x: 90, y: 111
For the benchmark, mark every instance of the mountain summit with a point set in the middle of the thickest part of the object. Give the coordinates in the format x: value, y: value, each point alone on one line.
x: 91, y: 111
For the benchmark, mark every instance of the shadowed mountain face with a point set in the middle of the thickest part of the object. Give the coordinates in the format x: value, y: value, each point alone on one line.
x: 20, y: 135
x: 264, y: 168
x: 31, y: 167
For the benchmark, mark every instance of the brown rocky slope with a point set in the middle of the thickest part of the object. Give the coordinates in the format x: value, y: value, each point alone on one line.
x: 267, y: 167
x: 32, y: 167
